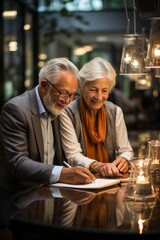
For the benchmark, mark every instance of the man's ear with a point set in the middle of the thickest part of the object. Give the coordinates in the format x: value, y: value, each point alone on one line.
x: 44, y: 85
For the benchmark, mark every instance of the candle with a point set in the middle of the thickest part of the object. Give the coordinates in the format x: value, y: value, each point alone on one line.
x: 143, y: 187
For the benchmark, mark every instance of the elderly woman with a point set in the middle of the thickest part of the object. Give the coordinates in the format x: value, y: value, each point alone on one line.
x: 93, y: 130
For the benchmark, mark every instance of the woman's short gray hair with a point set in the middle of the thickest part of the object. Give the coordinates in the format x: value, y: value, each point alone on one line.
x: 95, y: 69
x: 53, y: 67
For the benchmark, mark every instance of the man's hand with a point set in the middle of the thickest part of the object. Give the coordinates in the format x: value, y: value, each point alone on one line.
x: 76, y: 175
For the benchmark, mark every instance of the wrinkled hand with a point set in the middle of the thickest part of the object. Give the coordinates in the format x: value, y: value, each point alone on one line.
x: 115, y: 169
x: 122, y: 164
x: 110, y: 170
x: 76, y: 175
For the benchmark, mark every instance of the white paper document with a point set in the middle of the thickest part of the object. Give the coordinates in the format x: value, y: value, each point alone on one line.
x: 123, y: 180
x: 99, y: 183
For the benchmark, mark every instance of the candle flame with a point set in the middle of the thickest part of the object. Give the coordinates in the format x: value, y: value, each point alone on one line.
x: 141, y: 178
x: 140, y: 163
x: 140, y: 223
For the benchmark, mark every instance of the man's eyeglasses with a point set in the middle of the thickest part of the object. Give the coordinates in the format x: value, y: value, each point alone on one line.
x: 64, y: 95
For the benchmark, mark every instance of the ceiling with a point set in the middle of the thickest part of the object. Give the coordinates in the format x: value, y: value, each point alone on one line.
x: 109, y: 26
x: 147, y: 7
x: 115, y: 22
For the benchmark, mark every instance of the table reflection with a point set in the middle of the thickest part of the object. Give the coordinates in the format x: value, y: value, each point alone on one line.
x: 44, y: 210
x: 52, y: 205
x: 103, y: 209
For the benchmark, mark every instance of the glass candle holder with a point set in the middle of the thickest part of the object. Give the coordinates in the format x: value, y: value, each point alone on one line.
x: 140, y: 214
x: 140, y: 184
x: 154, y: 153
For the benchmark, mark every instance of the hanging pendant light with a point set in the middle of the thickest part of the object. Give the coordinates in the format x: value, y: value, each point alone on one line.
x: 134, y: 50
x: 153, y: 52
x: 133, y: 55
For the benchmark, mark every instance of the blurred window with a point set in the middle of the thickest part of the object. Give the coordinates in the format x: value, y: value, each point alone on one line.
x: 82, y: 5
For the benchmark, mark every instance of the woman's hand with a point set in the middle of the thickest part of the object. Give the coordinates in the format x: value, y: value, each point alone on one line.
x: 117, y: 168
x: 110, y: 170
x: 122, y: 164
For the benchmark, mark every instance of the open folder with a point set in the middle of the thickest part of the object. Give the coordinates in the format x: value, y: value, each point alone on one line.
x: 97, y: 184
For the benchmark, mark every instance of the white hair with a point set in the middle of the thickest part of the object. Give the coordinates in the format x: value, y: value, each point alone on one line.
x: 53, y: 67
x: 95, y: 69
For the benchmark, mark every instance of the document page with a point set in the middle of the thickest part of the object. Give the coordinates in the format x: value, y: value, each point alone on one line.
x: 97, y: 184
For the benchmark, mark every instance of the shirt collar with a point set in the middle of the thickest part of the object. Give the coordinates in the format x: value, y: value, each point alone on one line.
x: 41, y: 108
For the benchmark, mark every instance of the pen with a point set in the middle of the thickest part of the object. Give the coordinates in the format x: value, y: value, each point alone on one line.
x: 67, y: 164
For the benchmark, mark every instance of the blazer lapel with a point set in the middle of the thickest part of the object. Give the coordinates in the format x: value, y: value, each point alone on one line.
x: 36, y: 122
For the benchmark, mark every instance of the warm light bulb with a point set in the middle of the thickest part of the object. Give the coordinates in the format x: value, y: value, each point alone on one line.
x: 156, y: 51
x: 143, y: 81
x: 135, y: 63
x: 127, y: 58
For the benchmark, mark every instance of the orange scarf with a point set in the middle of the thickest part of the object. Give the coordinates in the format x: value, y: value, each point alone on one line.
x: 94, y: 131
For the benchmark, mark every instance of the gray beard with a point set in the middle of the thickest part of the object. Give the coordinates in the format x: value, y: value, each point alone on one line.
x: 51, y: 106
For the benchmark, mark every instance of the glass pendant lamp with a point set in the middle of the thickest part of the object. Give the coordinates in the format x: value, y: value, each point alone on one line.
x: 134, y: 50
x: 153, y: 51
x: 133, y: 55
